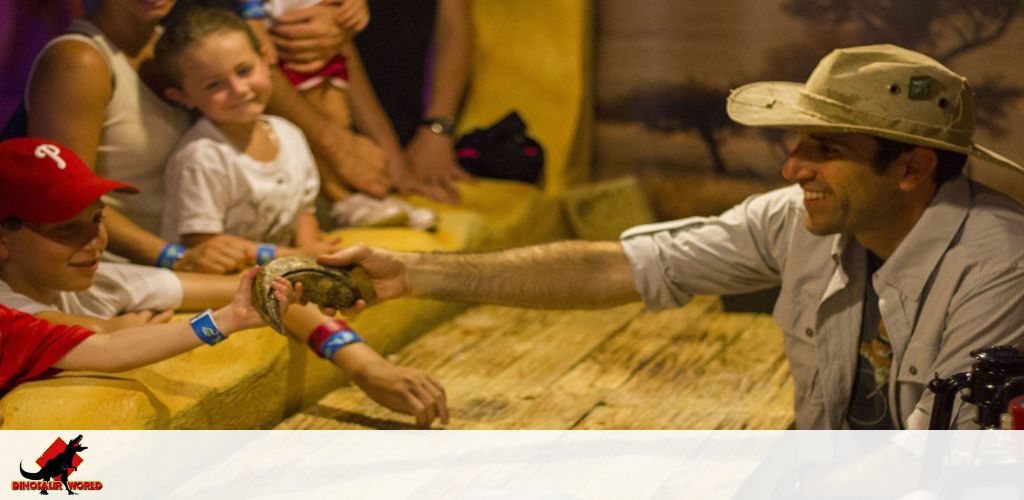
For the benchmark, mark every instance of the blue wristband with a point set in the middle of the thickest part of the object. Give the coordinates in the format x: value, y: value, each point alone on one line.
x: 252, y: 9
x: 337, y: 340
x: 171, y: 253
x: 205, y: 328
x: 265, y: 253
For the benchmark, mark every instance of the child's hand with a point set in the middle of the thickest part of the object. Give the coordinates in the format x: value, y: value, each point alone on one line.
x: 405, y: 390
x: 242, y: 312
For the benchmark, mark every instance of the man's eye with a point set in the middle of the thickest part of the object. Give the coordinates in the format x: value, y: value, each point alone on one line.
x: 211, y: 86
x: 244, y: 70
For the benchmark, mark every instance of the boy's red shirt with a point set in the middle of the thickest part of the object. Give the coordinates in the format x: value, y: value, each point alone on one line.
x: 29, y: 346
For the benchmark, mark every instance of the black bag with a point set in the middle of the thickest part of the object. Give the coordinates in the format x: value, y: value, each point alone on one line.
x: 502, y: 151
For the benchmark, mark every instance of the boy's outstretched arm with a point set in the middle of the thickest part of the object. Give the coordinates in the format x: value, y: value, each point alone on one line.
x: 134, y: 347
x: 402, y: 389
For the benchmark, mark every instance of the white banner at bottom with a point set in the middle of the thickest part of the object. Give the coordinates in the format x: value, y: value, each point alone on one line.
x: 513, y: 465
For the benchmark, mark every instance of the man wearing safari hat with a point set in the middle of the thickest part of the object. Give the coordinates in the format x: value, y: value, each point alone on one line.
x: 892, y: 265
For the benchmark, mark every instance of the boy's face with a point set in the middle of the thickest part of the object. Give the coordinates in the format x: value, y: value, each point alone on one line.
x: 225, y: 78
x: 54, y: 257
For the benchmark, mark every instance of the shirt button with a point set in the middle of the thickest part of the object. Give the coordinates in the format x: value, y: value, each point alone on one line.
x: 809, y: 332
x: 913, y: 370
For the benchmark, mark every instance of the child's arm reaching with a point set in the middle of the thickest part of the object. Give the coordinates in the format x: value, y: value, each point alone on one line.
x: 135, y: 347
x: 402, y: 389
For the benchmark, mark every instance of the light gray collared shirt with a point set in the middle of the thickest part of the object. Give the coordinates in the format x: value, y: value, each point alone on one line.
x: 954, y: 284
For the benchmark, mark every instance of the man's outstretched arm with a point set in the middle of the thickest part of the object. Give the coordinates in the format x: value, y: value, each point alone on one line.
x: 562, y: 275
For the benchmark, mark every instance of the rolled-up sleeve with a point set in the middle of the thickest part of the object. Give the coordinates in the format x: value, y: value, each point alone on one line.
x: 739, y: 251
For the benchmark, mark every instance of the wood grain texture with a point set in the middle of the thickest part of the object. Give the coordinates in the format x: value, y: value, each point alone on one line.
x: 695, y: 367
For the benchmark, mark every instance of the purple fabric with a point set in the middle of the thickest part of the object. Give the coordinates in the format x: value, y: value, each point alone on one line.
x: 25, y: 28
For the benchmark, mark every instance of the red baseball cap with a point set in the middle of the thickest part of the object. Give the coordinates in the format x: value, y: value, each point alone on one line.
x: 44, y: 182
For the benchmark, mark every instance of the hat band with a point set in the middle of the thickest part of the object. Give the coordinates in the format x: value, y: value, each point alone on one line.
x: 830, y: 110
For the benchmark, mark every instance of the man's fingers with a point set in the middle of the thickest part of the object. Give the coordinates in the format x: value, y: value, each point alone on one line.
x: 349, y: 255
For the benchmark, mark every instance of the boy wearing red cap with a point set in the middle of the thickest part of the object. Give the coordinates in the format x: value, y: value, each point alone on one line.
x: 49, y: 202
x: 51, y: 239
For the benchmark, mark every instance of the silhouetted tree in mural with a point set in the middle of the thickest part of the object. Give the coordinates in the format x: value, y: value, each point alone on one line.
x: 669, y: 108
x: 944, y: 29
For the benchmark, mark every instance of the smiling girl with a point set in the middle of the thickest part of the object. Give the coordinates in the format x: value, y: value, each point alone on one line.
x: 237, y: 171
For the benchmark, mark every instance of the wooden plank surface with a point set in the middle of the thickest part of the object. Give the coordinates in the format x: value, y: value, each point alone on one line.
x: 694, y: 367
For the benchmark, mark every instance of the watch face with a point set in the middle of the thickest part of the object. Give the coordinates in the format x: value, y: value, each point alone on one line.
x: 440, y: 126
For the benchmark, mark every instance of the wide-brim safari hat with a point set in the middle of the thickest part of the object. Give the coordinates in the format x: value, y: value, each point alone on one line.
x: 880, y: 90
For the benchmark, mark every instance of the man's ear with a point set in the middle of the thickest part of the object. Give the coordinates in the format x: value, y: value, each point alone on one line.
x: 920, y: 164
x: 177, y: 96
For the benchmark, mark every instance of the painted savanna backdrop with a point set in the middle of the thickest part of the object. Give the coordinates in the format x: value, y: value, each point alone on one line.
x: 665, y: 67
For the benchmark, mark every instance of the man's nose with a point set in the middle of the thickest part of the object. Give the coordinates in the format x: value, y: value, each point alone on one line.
x: 798, y: 167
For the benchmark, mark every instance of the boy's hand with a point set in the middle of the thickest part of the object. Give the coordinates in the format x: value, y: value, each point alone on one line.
x: 241, y: 313
x: 138, y: 318
x: 405, y: 390
x: 220, y: 254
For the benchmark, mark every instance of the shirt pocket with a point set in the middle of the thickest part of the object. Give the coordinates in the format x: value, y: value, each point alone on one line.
x: 799, y: 340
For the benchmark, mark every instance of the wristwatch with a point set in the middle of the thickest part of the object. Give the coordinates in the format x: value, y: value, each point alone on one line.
x: 440, y: 126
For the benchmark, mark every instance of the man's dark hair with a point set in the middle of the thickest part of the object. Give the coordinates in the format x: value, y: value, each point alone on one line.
x: 950, y: 163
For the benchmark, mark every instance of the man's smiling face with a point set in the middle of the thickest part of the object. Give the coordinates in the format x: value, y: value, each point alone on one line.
x: 844, y: 192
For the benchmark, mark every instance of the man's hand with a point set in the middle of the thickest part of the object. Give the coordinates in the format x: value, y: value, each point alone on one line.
x: 138, y: 318
x: 432, y: 159
x: 406, y: 390
x: 386, y: 270
x: 220, y: 254
x: 307, y: 38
